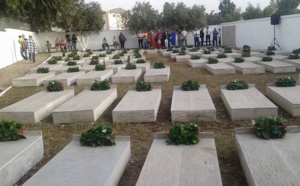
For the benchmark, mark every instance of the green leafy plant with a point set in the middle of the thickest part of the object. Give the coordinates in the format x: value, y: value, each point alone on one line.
x: 109, y: 52
x: 189, y: 46
x: 140, y: 61
x: 159, y: 65
x: 137, y: 55
x: 118, y: 61
x: 57, y: 58
x: 227, y: 50
x: 124, y: 51
x: 130, y: 66
x: 175, y: 51
x: 183, y: 48
x: 98, y: 136
x: 72, y: 63
x: 143, y: 86
x: 271, y: 48
x: 211, y: 49
x: 294, y: 56
x: 11, y: 131
x: 182, y: 53
x: 121, y: 54
x: 267, y: 58
x: 270, y: 53
x: 194, y: 50
x: 206, y: 51
x: 94, y: 61
x: 100, y: 67
x: 190, y: 85
x: 86, y: 55
x: 163, y: 47
x: 269, y: 127
x: 239, y: 60
x: 222, y: 55
x: 55, y: 86
x: 76, y: 57
x: 169, y: 49
x: 102, y: 55
x: 100, y: 85
x: 73, y: 69
x: 213, y: 60
x: 237, y: 85
x: 296, y: 51
x: 42, y: 70
x: 194, y: 57
x: 246, y: 51
x: 183, y: 134
x: 286, y: 81
x: 52, y: 62
x: 117, y: 56
x: 71, y: 54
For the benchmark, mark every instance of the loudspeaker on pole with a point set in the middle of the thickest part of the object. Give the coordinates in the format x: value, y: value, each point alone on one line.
x: 275, y: 19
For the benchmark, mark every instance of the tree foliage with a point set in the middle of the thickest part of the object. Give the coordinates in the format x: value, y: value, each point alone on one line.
x: 252, y: 12
x: 214, y: 18
x: 229, y: 11
x: 287, y: 7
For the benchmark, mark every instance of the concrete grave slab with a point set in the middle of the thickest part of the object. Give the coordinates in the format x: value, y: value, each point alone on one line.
x: 173, y: 55
x: 126, y: 76
x: 279, y: 57
x: 248, y: 68
x: 138, y: 107
x: 269, y: 162
x: 181, y: 165
x: 88, y: 68
x: 233, y: 54
x: 184, y: 58
x: 144, y: 66
x: 18, y: 157
x: 64, y: 69
x: 116, y: 68
x: 34, y: 69
x: 295, y: 62
x: 220, y: 68
x: 34, y: 79
x: 152, y: 51
x: 157, y: 75
x: 195, y: 53
x: 101, y: 165
x: 87, y: 106
x: 189, y: 106
x: 36, y: 107
x: 112, y: 61
x: 196, y: 63
x: 286, y: 97
x: 206, y: 56
x: 133, y: 60
x: 89, y: 78
x: 247, y: 104
x: 56, y: 54
x: 78, y: 62
x: 257, y: 54
x: 167, y: 53
x: 104, y: 58
x: 226, y: 60
x: 66, y: 79
x: 277, y: 66
x: 252, y: 59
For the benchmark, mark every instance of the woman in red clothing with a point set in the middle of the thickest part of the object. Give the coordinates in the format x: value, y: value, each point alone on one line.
x: 152, y: 39
x: 158, y: 37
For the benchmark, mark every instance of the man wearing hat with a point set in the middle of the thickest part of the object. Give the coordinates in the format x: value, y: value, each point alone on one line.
x: 31, y: 47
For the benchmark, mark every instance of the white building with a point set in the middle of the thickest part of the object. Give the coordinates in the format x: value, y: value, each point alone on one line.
x: 113, y: 19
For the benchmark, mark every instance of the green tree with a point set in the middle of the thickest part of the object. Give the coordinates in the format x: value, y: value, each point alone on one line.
x: 229, y: 11
x: 214, y: 18
x: 252, y: 12
x: 168, y: 15
x: 270, y: 9
x: 287, y: 7
x: 142, y: 16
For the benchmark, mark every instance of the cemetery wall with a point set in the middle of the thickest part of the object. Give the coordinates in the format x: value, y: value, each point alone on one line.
x: 259, y: 33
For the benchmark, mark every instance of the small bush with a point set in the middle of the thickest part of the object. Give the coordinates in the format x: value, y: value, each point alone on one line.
x: 130, y: 66
x: 100, y: 85
x: 183, y: 48
x: 169, y: 49
x: 237, y: 85
x: 296, y: 51
x: 118, y: 61
x: 183, y: 134
x: 194, y: 57
x: 271, y: 48
x: 55, y: 86
x: 57, y: 58
x: 207, y: 51
x: 143, y: 86
x: 227, y: 50
x: 294, y: 56
x: 109, y: 52
x: 190, y: 85
x: 163, y: 47
x: 73, y: 69
x: 287, y: 81
x: 100, y: 67
x: 52, y: 62
x: 175, y: 51
x: 140, y: 61
x: 94, y: 62
x: 86, y: 55
x: 76, y: 57
x: 117, y: 56
x: 72, y: 63
x: 189, y: 46
x: 267, y: 58
x: 124, y: 51
x: 213, y: 60
x: 99, y: 136
x: 246, y: 51
x: 137, y: 55
x: 270, y: 53
x: 158, y: 65
x: 211, y: 49
x: 269, y: 127
x: 121, y: 54
x: 102, y: 55
x: 182, y: 53
x: 11, y: 131
x: 42, y: 70
x: 239, y: 60
x: 222, y: 55
x: 194, y: 50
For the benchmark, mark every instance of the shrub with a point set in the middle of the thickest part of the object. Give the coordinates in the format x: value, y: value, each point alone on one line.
x: 124, y: 51
x: 159, y: 65
x: 211, y: 49
x: 267, y: 58
x: 55, y: 86
x: 296, y: 51
x: 182, y: 53
x: 94, y: 61
x: 183, y: 134
x: 99, y: 136
x: 246, y: 51
x: 52, y: 62
x: 57, y: 58
x: 100, y: 67
x: 100, y: 85
x: 237, y: 85
x: 11, y: 131
x: 169, y: 49
x: 189, y: 46
x: 287, y: 81
x: 113, y: 50
x: 213, y: 60
x: 42, y: 70
x: 86, y: 55
x: 71, y: 63
x: 163, y: 47
x: 109, y: 52
x: 194, y: 57
x: 140, y: 61
x: 143, y: 86
x: 194, y: 50
x: 227, y: 50
x: 222, y: 55
x: 175, y: 51
x: 73, y: 69
x: 71, y: 54
x: 76, y: 57
x: 190, y: 85
x: 271, y: 48
x: 239, y: 60
x: 102, y: 55
x: 130, y: 66
x: 117, y: 56
x: 87, y: 50
x: 137, y: 55
x: 207, y: 51
x: 121, y: 54
x: 270, y: 53
x: 294, y: 56
x: 183, y: 48
x: 118, y: 61
x: 269, y: 127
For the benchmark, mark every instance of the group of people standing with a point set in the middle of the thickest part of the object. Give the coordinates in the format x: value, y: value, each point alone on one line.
x: 68, y: 43
x: 27, y: 45
x: 199, y: 37
x: 122, y: 40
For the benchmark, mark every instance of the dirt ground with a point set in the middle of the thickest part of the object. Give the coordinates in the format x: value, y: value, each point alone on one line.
x: 56, y: 137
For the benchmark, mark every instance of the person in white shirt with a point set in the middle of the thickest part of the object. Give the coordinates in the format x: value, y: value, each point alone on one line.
x: 140, y: 37
x: 196, y: 34
x: 184, y: 35
x: 207, y: 38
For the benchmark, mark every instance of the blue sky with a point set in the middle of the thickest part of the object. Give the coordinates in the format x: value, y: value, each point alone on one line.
x: 158, y: 4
